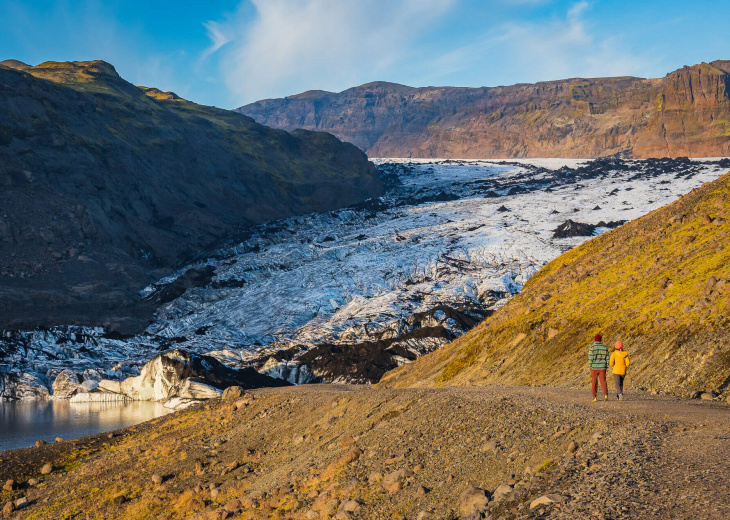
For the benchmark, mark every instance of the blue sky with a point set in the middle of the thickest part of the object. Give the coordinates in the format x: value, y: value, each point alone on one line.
x: 231, y: 52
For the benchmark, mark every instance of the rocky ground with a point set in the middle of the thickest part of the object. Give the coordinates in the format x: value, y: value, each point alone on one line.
x: 321, y: 451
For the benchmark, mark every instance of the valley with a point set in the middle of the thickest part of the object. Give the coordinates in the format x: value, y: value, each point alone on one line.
x: 345, y: 296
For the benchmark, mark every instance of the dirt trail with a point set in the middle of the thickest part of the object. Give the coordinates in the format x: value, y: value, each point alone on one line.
x: 329, y: 451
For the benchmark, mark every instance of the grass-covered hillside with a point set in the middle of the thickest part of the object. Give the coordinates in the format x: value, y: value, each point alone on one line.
x: 105, y: 186
x: 661, y: 284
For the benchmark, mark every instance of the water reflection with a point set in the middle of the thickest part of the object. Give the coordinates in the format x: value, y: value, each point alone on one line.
x: 22, y: 423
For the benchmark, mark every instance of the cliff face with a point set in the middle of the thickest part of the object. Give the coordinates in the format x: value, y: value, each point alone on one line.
x: 105, y: 186
x: 685, y: 113
x: 660, y: 284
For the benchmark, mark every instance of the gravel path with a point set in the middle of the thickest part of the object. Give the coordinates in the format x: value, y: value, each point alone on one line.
x: 327, y: 451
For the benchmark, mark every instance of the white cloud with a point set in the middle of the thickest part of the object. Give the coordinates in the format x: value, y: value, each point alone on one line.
x: 292, y: 46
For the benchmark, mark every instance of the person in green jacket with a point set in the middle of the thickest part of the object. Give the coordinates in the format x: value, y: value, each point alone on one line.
x: 598, y: 363
x: 620, y: 362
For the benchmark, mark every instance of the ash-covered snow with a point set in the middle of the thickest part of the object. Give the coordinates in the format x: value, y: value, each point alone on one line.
x: 407, y: 272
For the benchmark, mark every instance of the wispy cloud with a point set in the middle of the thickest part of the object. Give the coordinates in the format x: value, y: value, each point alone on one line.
x: 218, y: 37
x: 293, y: 46
x: 556, y: 49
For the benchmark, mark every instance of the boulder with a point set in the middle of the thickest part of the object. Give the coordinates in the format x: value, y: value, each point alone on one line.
x: 232, y: 392
x: 708, y: 396
x: 473, y: 501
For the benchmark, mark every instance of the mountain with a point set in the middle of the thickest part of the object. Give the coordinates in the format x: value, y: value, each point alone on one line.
x: 106, y: 187
x: 660, y: 283
x: 686, y: 113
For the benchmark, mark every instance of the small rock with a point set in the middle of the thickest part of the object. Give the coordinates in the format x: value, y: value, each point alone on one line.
x: 119, y: 500
x: 40, y: 442
x: 233, y: 506
x: 424, y: 515
x: 392, y: 478
x: 32, y: 482
x: 214, y: 492
x: 394, y: 487
x: 47, y: 469
x: 375, y: 477
x: 350, y: 506
x: 156, y: 479
x: 473, y: 501
x: 8, y: 509
x: 572, y: 447
x: 707, y: 396
x: 421, y: 491
x: 311, y: 514
x: 9, y: 485
x: 59, y: 439
x: 546, y: 500
x: 489, y: 446
x: 21, y: 503
x: 417, y: 468
x: 596, y: 436
x: 347, y: 442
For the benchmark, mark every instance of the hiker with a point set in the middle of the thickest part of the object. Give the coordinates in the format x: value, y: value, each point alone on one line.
x: 620, y: 362
x: 598, y: 363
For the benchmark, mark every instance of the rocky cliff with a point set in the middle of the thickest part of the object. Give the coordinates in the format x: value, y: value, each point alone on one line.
x: 660, y: 284
x: 686, y: 113
x: 105, y: 187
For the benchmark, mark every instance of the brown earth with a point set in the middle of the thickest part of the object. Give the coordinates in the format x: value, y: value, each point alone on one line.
x: 660, y: 284
x: 284, y: 453
x: 106, y: 187
x: 686, y: 113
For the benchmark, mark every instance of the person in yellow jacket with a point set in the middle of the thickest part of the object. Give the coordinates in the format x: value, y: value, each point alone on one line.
x: 620, y: 362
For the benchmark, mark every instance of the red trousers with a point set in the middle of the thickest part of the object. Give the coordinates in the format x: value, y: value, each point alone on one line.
x: 597, y: 375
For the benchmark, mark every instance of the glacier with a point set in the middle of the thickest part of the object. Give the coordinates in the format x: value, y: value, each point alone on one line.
x: 345, y: 295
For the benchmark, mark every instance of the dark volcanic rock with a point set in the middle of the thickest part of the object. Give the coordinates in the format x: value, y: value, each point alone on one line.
x: 106, y: 187
x: 573, y: 229
x: 578, y: 229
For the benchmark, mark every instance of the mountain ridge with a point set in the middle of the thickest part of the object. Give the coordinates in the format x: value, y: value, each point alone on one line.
x: 686, y: 113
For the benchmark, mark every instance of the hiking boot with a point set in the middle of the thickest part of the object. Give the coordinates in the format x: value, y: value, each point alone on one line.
x: 605, y: 398
x: 595, y: 399
x: 621, y: 397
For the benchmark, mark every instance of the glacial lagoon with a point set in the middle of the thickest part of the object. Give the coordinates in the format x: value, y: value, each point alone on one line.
x: 22, y: 423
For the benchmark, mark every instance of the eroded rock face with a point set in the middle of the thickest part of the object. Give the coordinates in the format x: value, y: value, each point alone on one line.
x: 671, y: 117
x: 180, y: 374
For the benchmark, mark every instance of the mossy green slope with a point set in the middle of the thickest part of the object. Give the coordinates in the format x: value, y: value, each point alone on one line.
x: 660, y: 284
x: 106, y: 186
